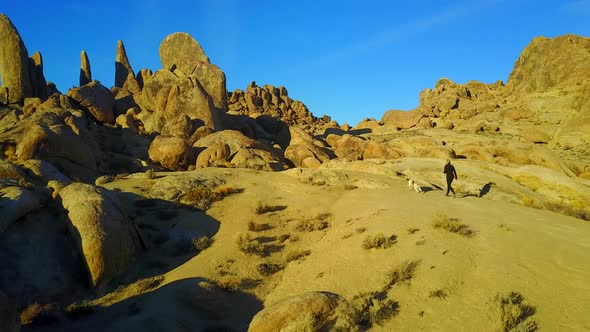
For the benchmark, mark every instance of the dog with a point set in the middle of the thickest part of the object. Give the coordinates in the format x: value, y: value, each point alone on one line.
x: 413, y: 185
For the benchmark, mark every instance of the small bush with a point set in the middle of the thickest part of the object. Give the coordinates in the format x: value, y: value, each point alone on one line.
x: 261, y: 208
x: 402, y: 273
x: 297, y: 255
x: 224, y: 191
x: 452, y: 225
x: 350, y: 187
x: 420, y: 242
x: 200, y: 197
x: 78, y: 310
x: 413, y: 230
x: 250, y: 246
x: 256, y: 227
x: 38, y: 314
x: 365, y: 310
x: 230, y: 284
x: 201, y: 243
x: 268, y: 269
x: 312, y: 225
x: 379, y: 240
x: 361, y: 230
x: 511, y: 313
x: 438, y: 293
x: 284, y: 237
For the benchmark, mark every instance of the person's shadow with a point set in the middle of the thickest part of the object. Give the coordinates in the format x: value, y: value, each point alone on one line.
x: 486, y: 189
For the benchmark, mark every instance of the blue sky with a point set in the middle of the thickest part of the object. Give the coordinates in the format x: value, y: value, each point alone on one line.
x: 347, y: 59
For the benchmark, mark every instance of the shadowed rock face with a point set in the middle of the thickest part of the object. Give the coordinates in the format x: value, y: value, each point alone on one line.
x: 9, y: 321
x: 14, y: 63
x: 85, y: 71
x: 124, y: 76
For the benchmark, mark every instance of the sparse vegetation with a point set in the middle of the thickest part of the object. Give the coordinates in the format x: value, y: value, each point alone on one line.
x: 230, y: 283
x: 312, y: 225
x: 201, y: 243
x: 78, y: 310
x: 200, y: 197
x: 38, y: 314
x: 349, y: 186
x: 365, y: 310
x: 573, y: 208
x: 379, y: 240
x: 452, y: 225
x: 249, y: 245
x: 420, y: 242
x: 413, y: 230
x: 268, y: 269
x: 438, y: 293
x: 361, y: 230
x: 148, y: 284
x: 261, y: 208
x: 226, y: 190
x: 402, y: 273
x: 297, y: 255
x: 256, y: 227
x: 511, y: 313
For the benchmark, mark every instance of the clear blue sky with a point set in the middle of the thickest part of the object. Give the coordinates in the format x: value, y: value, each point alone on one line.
x: 347, y: 59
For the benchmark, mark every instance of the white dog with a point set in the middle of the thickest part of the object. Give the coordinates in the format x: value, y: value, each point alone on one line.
x: 415, y: 186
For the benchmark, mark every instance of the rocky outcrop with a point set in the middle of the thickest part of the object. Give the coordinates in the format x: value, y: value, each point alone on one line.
x: 215, y: 155
x: 304, y: 150
x: 9, y: 320
x: 170, y: 152
x: 15, y: 202
x: 14, y: 64
x: 311, y: 311
x: 402, y: 119
x: 96, y: 99
x: 99, y: 225
x: 85, y: 71
x: 124, y: 76
x: 38, y: 83
x: 181, y: 51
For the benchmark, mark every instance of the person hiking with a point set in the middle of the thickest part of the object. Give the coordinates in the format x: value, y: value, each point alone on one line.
x: 451, y: 175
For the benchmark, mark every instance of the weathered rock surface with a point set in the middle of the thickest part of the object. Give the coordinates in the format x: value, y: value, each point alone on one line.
x: 170, y: 152
x: 304, y: 150
x: 124, y: 75
x: 9, y: 320
x: 98, y: 224
x: 97, y: 99
x: 14, y: 63
x: 311, y: 311
x: 402, y: 119
x: 15, y: 202
x: 38, y: 83
x: 85, y: 70
x: 181, y: 51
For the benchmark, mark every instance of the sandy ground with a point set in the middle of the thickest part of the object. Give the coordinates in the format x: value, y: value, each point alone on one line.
x: 542, y: 255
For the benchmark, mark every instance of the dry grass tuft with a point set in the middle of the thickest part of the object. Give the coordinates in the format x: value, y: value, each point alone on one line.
x: 365, y: 310
x: 226, y: 190
x: 402, y: 273
x: 262, y: 208
x: 78, y: 310
x: 379, y: 240
x: 200, y: 197
x: 230, y: 283
x: 38, y: 314
x: 438, y: 293
x: 349, y: 186
x: 256, y: 227
x: 361, y: 230
x: 148, y: 284
x: 420, y: 242
x: 297, y: 255
x: 201, y: 243
x: 249, y: 245
x: 268, y: 269
x: 572, y: 208
x: 413, y: 230
x: 452, y: 225
x: 312, y: 225
x: 511, y: 313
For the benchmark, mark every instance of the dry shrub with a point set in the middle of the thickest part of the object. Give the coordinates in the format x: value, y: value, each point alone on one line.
x: 438, y: 293
x: 420, y: 242
x: 350, y: 186
x: 361, y: 230
x: 413, y: 230
x: 284, y: 237
x: 226, y: 190
x: 38, y: 314
x: 262, y: 208
x: 249, y: 245
x: 297, y: 255
x: 148, y: 284
x: 452, y: 225
x: 573, y: 208
x: 230, y: 283
x: 364, y: 310
x: 256, y: 227
x: 379, y: 240
x: 78, y: 310
x: 312, y: 225
x: 402, y: 273
x: 200, y: 197
x: 268, y: 269
x: 511, y: 313
x: 201, y: 243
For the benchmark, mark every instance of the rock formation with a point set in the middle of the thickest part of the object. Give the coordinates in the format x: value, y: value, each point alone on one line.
x: 38, y: 83
x: 85, y: 71
x: 171, y: 152
x: 14, y: 64
x: 95, y: 98
x: 124, y: 76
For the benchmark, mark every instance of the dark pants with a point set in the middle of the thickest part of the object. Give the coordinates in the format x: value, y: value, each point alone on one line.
x: 449, y: 188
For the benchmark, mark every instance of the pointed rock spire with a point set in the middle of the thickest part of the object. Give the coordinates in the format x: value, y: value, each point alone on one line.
x: 124, y: 76
x: 14, y: 63
x: 85, y: 71
x: 38, y: 82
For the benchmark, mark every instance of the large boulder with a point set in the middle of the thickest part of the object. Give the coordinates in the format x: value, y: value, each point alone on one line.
x: 402, y: 119
x: 96, y: 99
x: 15, y: 202
x: 170, y: 152
x: 350, y: 147
x: 9, y: 320
x: 536, y: 136
x: 212, y: 78
x: 181, y: 51
x: 14, y: 63
x: 379, y: 151
x: 304, y: 148
x: 311, y: 311
x: 103, y: 234
x: 216, y: 155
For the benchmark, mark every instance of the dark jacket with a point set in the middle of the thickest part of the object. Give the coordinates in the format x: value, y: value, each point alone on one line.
x: 450, y: 172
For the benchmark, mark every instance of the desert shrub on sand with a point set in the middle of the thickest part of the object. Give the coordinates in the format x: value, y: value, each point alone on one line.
x: 226, y: 190
x: 262, y: 208
x: 413, y: 230
x: 229, y: 283
x: 200, y: 197
x: 38, y: 314
x: 312, y: 225
x: 402, y: 273
x: 147, y: 284
x: 257, y: 227
x: 379, y: 240
x: 297, y: 255
x: 249, y: 245
x: 511, y: 313
x: 267, y: 269
x: 452, y: 225
x: 438, y: 293
x: 201, y: 243
x: 573, y: 208
x: 364, y: 310
x: 361, y: 230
